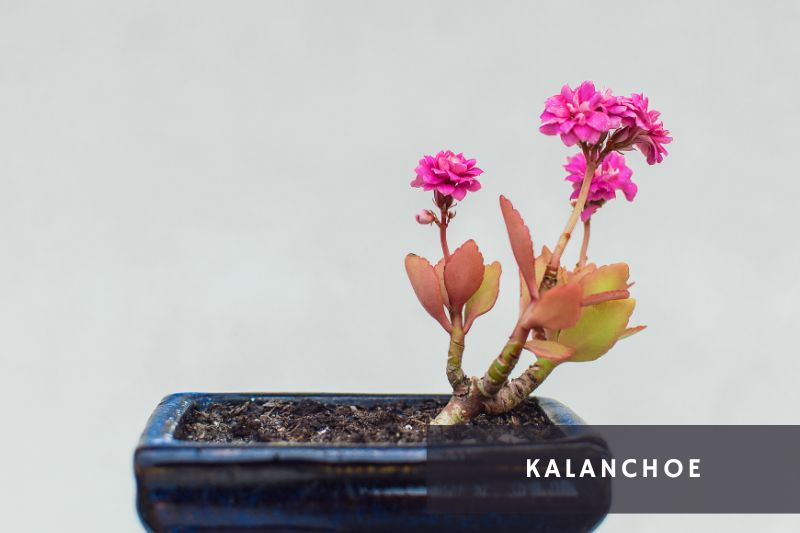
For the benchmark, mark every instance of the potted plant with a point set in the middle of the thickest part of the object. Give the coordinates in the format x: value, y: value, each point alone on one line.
x: 246, y: 462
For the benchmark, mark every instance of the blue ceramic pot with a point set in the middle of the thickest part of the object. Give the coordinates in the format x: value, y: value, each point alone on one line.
x: 186, y: 486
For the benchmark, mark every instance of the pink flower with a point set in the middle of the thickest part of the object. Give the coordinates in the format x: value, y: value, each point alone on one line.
x: 424, y: 217
x: 611, y: 176
x: 448, y: 173
x: 642, y: 129
x: 583, y: 114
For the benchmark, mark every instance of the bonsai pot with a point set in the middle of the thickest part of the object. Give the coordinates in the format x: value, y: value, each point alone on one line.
x: 188, y: 486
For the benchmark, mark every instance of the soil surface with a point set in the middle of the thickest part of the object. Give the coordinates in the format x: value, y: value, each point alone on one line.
x: 309, y: 421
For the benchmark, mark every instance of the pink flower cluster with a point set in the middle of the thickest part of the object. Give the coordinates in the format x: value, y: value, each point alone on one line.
x: 447, y: 173
x: 643, y: 129
x: 588, y: 115
x: 583, y: 114
x: 611, y: 175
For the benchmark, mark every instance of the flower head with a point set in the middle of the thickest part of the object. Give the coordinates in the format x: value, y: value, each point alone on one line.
x: 642, y: 129
x: 611, y: 175
x: 583, y: 114
x: 448, y: 173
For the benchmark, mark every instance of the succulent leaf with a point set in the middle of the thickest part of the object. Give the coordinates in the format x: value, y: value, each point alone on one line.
x: 599, y: 328
x: 551, y: 350
x: 463, y: 274
x: 631, y: 331
x: 559, y: 308
x: 521, y: 244
x: 426, y: 287
x: 606, y: 278
x: 439, y: 268
x: 485, y: 297
x: 601, y: 297
x: 540, y: 264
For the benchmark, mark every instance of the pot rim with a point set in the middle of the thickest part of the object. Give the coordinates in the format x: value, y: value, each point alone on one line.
x: 158, y: 443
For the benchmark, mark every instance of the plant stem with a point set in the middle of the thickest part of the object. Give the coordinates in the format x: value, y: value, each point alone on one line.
x: 443, y: 233
x: 585, y: 244
x: 461, y: 408
x: 555, y: 260
x: 514, y: 392
x: 502, y: 366
x: 455, y: 374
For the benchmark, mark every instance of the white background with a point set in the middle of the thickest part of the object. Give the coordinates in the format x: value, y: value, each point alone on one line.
x: 213, y: 196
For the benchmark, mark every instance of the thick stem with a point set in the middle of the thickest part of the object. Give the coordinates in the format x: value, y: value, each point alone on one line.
x: 461, y: 408
x: 585, y: 243
x: 455, y: 374
x: 514, y: 392
x: 555, y: 260
x: 498, y: 372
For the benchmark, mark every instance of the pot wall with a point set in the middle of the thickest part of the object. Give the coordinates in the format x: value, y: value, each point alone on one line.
x: 185, y: 486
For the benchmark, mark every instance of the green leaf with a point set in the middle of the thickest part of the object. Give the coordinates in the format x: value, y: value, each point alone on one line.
x: 599, y: 328
x: 606, y: 278
x: 484, y: 298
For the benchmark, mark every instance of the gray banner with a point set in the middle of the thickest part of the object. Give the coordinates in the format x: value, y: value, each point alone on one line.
x: 624, y: 469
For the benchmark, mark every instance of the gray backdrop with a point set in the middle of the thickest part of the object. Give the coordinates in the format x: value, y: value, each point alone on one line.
x: 213, y: 196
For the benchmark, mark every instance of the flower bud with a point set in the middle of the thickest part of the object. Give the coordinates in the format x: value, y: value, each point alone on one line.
x: 425, y: 217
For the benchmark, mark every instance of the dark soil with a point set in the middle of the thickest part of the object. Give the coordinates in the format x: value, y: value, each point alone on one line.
x: 309, y: 421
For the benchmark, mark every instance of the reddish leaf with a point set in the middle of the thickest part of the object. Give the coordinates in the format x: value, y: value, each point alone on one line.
x: 521, y: 244
x: 627, y: 332
x: 524, y: 295
x: 463, y: 274
x: 541, y: 264
x: 601, y: 297
x: 559, y: 308
x: 426, y: 287
x: 550, y: 350
x: 439, y: 268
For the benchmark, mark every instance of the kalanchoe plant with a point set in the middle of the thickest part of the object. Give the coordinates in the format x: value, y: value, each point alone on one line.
x: 564, y: 315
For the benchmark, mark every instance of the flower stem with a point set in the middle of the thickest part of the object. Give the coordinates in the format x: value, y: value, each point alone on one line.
x: 443, y: 223
x: 585, y: 244
x: 555, y: 260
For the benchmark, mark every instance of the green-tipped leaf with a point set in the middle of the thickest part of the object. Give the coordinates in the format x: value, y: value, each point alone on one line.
x: 599, y: 328
x: 484, y: 298
x: 606, y: 278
